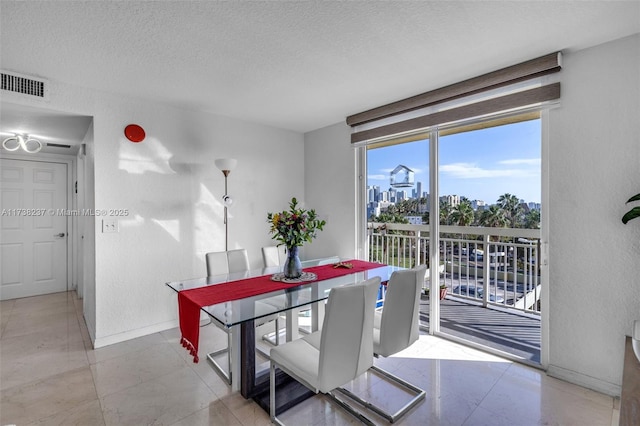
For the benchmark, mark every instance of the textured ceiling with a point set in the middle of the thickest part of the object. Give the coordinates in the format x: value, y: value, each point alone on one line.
x: 292, y: 65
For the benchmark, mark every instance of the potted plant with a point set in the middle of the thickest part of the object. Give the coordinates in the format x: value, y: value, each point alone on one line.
x: 634, y: 212
x: 443, y: 291
x: 293, y: 228
x: 635, y: 337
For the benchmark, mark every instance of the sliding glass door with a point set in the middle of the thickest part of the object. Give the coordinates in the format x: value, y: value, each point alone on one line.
x: 486, y: 197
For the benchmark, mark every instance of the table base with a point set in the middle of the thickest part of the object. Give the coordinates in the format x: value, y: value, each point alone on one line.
x: 289, y: 393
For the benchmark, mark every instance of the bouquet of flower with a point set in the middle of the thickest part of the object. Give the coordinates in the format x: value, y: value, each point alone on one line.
x: 294, y: 227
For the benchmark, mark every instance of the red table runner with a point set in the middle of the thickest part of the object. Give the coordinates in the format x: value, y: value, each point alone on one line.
x: 191, y: 301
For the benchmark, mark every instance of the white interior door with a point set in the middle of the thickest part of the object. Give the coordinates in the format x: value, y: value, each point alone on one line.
x: 33, y: 201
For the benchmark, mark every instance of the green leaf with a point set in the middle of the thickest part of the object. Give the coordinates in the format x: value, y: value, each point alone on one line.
x: 634, y: 198
x: 631, y: 214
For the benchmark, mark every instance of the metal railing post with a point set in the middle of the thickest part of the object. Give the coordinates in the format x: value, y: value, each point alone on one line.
x: 486, y: 276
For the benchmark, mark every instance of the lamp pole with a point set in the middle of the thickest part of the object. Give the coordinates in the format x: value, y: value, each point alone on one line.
x: 226, y: 165
x: 226, y: 221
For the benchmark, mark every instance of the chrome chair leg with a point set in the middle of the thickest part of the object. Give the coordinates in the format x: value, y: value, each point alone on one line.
x: 391, y: 417
x: 348, y: 408
x: 273, y: 338
x: 272, y: 400
x: 272, y: 395
x: 211, y: 358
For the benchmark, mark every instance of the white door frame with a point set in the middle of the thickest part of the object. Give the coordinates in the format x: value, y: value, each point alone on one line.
x: 70, y: 161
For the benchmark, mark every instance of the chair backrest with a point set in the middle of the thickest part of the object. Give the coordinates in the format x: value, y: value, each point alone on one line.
x: 328, y: 260
x: 321, y: 261
x: 238, y: 260
x: 274, y: 255
x: 217, y: 263
x: 225, y: 262
x: 346, y: 342
x: 399, y: 325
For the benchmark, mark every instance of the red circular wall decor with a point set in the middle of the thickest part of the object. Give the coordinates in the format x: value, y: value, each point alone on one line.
x: 134, y: 133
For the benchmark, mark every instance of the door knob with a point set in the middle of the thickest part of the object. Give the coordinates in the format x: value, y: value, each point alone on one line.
x: 59, y: 235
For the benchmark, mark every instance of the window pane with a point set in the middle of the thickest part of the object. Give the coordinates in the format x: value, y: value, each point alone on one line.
x: 398, y: 192
x: 481, y: 167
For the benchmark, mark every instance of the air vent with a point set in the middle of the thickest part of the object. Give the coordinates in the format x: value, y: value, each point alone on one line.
x: 24, y: 85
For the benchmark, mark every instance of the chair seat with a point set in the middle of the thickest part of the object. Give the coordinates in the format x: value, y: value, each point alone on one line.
x: 301, y: 357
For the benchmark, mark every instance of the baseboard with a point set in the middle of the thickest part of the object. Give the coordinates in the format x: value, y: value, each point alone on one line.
x: 583, y: 380
x: 132, y: 334
x: 91, y: 329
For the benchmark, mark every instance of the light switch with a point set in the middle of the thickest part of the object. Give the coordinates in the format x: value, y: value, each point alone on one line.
x: 109, y: 225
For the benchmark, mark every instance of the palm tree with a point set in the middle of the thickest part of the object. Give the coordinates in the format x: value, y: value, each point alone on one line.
x: 445, y: 213
x: 532, y: 219
x: 494, y: 217
x: 512, y: 208
x: 389, y: 217
x: 462, y: 214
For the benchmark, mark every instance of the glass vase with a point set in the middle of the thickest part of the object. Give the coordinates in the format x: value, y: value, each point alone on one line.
x: 292, y: 266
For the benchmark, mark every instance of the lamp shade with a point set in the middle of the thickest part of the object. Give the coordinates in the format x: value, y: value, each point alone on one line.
x: 226, y: 163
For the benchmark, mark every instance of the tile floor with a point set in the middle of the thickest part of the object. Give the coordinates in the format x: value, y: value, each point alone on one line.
x: 50, y: 375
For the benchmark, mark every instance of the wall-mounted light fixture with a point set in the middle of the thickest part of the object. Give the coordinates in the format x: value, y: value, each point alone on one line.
x: 28, y: 144
x: 226, y: 165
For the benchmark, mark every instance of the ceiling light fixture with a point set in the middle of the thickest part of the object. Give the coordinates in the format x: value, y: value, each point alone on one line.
x: 28, y: 144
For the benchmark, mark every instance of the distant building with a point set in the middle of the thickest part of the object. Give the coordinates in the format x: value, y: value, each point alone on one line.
x: 452, y: 200
x: 417, y: 192
x: 478, y: 204
x: 384, y: 206
x: 371, y: 194
x: 414, y: 220
x: 424, y: 207
x: 373, y: 209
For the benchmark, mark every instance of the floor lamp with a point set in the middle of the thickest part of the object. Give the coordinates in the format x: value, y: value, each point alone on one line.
x: 226, y: 165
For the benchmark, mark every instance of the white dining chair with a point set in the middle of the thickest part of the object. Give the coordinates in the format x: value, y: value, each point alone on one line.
x: 274, y: 255
x: 217, y: 263
x: 396, y: 327
x: 340, y: 352
x: 226, y: 262
x: 238, y: 260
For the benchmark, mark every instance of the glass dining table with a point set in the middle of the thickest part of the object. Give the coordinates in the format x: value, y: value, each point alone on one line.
x: 240, y: 317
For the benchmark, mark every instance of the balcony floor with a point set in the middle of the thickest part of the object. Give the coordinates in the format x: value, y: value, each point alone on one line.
x: 508, y: 332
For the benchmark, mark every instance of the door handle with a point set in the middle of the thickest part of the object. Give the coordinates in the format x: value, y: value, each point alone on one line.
x: 60, y: 235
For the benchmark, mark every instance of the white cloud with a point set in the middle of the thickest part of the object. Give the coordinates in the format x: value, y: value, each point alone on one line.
x: 471, y: 171
x: 378, y: 177
x: 523, y: 161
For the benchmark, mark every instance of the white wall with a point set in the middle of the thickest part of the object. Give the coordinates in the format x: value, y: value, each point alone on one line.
x: 174, y: 195
x: 86, y: 185
x: 594, y: 168
x: 172, y: 190
x: 329, y: 162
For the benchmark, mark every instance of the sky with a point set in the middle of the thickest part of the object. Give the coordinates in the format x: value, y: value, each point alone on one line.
x: 480, y: 165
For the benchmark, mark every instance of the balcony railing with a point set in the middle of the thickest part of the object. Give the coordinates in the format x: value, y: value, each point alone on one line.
x: 489, y: 266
